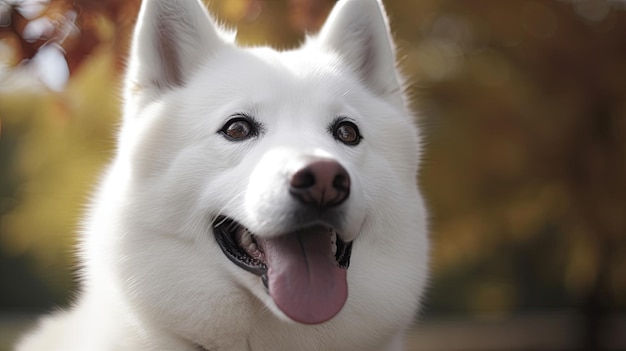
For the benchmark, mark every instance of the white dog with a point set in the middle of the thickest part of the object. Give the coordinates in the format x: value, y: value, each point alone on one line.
x: 258, y: 200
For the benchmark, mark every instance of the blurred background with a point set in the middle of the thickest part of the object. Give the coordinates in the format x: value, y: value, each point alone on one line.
x: 523, y: 104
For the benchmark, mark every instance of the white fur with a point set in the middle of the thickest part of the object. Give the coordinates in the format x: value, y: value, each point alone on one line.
x: 154, y: 278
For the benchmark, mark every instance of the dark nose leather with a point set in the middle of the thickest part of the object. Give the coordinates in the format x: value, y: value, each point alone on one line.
x: 321, y: 183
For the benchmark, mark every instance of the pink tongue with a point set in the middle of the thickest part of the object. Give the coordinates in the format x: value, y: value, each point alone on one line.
x: 304, y: 279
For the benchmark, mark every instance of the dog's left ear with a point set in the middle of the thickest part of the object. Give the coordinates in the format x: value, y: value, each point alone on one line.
x: 358, y: 31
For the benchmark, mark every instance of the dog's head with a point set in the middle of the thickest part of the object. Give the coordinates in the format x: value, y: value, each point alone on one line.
x: 288, y: 176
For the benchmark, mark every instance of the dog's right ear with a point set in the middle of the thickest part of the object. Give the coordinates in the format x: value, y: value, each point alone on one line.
x: 171, y: 40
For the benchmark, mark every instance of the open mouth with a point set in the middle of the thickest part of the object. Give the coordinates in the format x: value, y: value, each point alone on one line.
x: 304, y: 271
x: 246, y: 251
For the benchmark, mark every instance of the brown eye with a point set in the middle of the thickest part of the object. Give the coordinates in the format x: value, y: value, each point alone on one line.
x: 347, y: 133
x: 238, y: 129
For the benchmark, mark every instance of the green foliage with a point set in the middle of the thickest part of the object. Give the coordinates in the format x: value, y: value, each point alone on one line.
x: 61, y: 141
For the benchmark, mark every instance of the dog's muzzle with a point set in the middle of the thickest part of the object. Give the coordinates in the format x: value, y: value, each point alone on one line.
x: 304, y: 270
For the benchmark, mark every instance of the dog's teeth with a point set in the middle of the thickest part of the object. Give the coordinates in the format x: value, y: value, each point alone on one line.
x: 246, y: 238
x: 333, y: 241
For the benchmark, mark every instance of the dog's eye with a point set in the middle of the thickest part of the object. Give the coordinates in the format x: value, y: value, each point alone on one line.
x: 239, y: 128
x: 347, y: 132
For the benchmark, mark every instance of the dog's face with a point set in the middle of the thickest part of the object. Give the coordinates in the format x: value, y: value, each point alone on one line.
x: 268, y: 180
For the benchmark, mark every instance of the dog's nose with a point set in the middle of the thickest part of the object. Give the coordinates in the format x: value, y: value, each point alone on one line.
x: 322, y: 183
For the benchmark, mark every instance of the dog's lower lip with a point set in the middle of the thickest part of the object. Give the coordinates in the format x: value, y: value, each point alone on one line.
x: 225, y: 231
